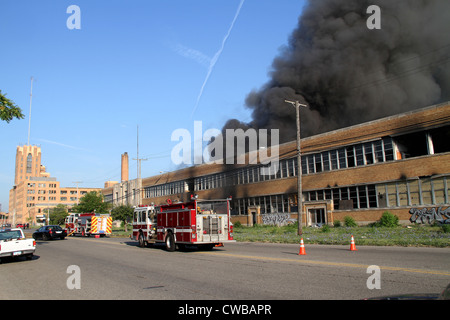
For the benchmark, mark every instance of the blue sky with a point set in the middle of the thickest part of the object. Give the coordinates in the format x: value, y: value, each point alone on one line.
x: 132, y: 63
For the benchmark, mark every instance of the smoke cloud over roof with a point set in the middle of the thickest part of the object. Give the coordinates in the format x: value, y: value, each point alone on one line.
x: 348, y: 73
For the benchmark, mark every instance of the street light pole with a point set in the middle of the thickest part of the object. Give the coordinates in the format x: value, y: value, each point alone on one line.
x: 297, y: 106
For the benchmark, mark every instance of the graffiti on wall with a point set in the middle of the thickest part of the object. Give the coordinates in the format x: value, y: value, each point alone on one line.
x: 275, y: 218
x: 430, y: 215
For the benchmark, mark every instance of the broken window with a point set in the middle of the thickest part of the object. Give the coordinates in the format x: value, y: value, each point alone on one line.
x: 441, y: 138
x: 359, y: 155
x: 412, y: 145
x: 318, y: 162
x: 372, y: 196
x: 388, y: 149
x: 368, y: 152
x: 348, y: 198
x: 354, y: 196
x: 350, y: 157
x: 378, y: 147
x: 382, y: 195
x: 362, y: 195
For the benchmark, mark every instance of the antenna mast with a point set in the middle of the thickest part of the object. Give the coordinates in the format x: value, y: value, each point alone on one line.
x: 29, y: 117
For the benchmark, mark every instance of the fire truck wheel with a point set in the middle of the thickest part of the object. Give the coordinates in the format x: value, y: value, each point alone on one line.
x: 141, y: 240
x: 170, y: 242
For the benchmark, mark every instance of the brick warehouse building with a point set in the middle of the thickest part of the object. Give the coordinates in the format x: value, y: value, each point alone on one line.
x: 391, y: 164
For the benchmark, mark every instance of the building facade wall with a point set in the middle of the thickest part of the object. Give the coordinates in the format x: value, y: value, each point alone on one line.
x: 392, y: 164
x: 31, y: 199
x: 35, y: 192
x: 28, y: 163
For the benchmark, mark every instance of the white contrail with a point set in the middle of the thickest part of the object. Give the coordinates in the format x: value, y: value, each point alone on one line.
x: 217, y: 56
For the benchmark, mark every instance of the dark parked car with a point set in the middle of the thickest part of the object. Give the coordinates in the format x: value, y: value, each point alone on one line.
x: 49, y: 233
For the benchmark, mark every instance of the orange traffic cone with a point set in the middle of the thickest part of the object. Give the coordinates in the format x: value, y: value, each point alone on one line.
x: 352, y: 245
x: 302, y: 248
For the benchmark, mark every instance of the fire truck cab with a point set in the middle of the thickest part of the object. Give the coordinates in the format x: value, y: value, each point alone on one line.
x: 144, y: 225
x: 203, y: 223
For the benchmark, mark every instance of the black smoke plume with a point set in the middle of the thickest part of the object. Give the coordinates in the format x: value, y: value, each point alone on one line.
x: 349, y: 74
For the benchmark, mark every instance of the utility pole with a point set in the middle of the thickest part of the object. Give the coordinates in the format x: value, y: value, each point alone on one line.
x: 138, y: 178
x: 297, y: 106
x: 77, y: 182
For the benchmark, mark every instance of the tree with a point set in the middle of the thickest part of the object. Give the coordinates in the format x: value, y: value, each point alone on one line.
x: 91, y: 202
x: 58, y: 214
x: 122, y: 213
x: 8, y: 109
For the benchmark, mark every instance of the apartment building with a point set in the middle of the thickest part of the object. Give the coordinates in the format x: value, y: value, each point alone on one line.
x: 35, y: 192
x: 392, y: 164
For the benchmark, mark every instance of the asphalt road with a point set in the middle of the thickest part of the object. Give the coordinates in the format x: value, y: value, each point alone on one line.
x: 115, y: 268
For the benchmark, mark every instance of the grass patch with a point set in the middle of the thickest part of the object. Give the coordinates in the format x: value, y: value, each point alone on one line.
x: 119, y: 232
x: 375, y: 235
x: 415, y: 235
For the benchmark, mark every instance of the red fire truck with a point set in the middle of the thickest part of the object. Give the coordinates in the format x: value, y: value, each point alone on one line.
x: 86, y: 224
x: 203, y: 223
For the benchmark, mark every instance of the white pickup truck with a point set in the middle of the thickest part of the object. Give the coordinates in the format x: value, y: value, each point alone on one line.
x: 14, y: 244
